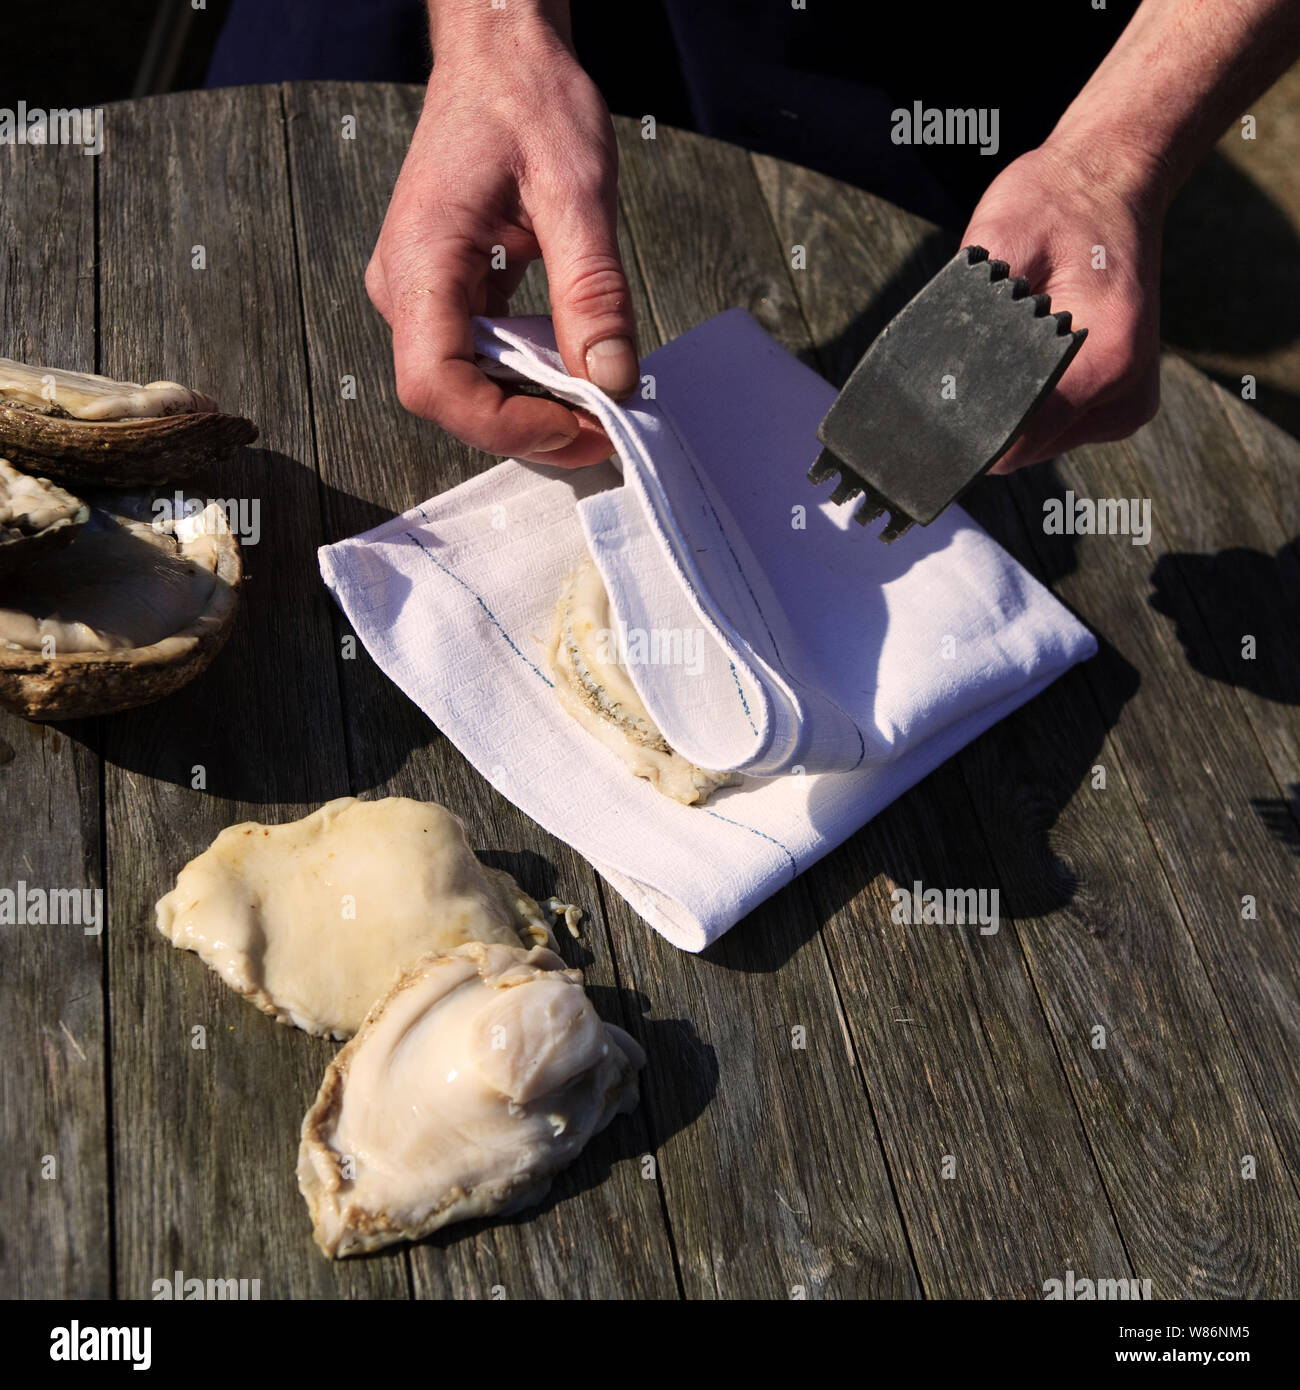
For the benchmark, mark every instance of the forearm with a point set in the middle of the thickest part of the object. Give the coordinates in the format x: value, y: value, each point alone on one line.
x: 1179, y: 74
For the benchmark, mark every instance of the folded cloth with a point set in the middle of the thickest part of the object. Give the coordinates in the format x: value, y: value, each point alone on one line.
x: 766, y: 632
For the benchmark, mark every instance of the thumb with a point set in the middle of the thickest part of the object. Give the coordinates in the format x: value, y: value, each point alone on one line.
x: 591, y: 304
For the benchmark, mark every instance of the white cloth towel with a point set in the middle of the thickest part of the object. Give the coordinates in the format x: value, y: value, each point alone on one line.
x: 767, y: 632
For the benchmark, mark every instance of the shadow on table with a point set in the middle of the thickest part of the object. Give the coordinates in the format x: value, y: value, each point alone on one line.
x: 1236, y: 613
x: 1217, y: 302
x: 261, y: 724
x: 1280, y: 816
x: 988, y: 825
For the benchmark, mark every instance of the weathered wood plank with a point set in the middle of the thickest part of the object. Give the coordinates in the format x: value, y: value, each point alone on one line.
x: 1269, y: 455
x: 53, y: 1085
x: 1168, y: 1102
x: 206, y: 1140
x: 958, y: 1056
x: 862, y: 259
x: 1202, y: 756
x: 601, y: 1233
x: 781, y: 1181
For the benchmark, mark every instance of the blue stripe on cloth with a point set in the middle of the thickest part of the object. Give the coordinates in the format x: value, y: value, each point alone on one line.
x: 492, y: 617
x: 762, y: 834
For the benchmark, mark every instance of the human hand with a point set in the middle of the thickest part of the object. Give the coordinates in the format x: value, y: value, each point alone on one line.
x: 1044, y: 215
x: 514, y: 150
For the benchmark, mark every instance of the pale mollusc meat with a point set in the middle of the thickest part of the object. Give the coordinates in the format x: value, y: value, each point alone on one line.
x: 35, y: 517
x: 33, y: 504
x: 595, y: 688
x: 482, y: 1074
x: 313, y: 920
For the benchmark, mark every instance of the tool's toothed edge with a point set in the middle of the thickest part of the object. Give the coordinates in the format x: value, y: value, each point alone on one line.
x: 899, y: 524
x: 1000, y: 270
x: 873, y: 503
x: 844, y: 489
x: 825, y: 465
x: 1063, y: 329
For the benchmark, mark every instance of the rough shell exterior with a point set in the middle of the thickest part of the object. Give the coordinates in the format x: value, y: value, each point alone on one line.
x: 120, y: 453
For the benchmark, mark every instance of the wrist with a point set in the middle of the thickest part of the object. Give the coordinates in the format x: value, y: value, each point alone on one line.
x: 468, y: 28
x: 1107, y: 159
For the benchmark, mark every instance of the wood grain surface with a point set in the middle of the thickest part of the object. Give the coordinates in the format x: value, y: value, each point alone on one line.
x: 55, y: 1174
x: 1109, y: 1083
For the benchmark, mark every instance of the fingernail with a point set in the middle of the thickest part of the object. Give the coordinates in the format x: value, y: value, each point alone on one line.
x: 611, y: 365
x: 552, y: 441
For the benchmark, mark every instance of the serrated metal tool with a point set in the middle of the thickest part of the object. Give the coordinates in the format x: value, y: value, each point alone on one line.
x: 943, y: 392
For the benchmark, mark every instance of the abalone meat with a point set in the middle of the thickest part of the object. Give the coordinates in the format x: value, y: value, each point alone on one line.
x: 481, y: 1074
x: 594, y: 687
x: 313, y: 920
x: 94, y: 431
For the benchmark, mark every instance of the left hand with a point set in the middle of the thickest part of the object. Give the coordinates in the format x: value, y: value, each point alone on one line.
x: 1044, y: 215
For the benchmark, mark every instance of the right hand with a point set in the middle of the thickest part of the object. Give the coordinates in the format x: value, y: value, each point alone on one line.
x: 517, y: 154
x: 1046, y: 214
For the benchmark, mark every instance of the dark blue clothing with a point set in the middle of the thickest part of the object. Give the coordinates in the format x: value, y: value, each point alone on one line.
x: 299, y: 40
x: 815, y: 86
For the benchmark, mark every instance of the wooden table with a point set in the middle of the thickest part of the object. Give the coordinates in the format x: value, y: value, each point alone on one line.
x: 953, y: 1127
